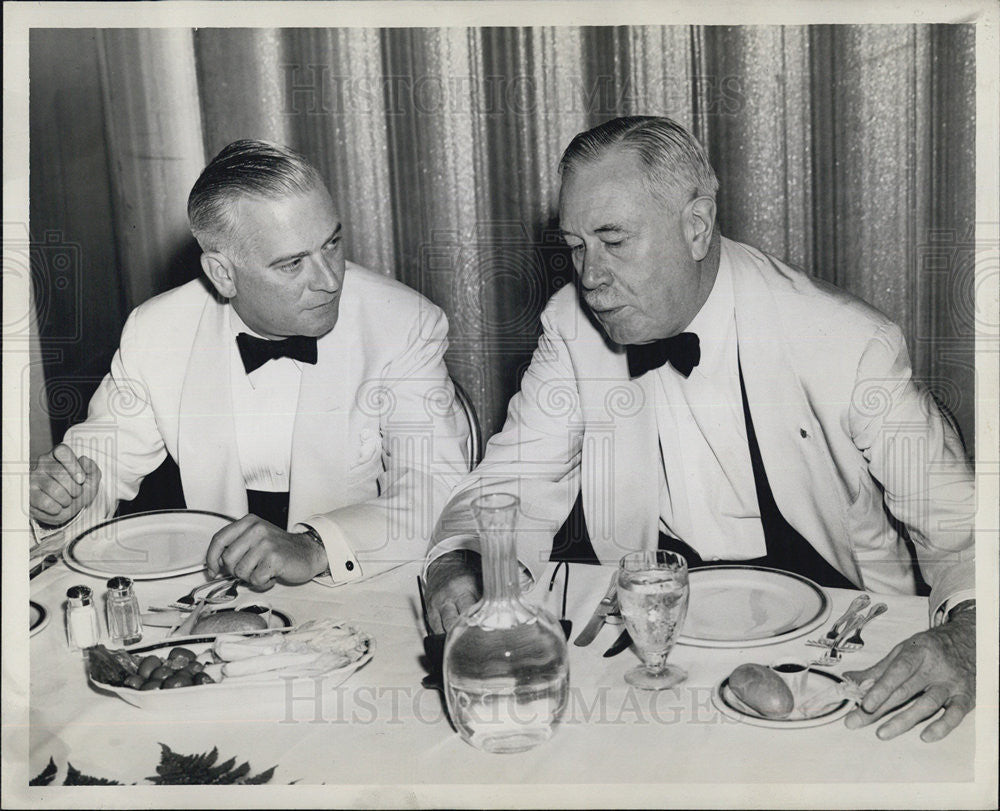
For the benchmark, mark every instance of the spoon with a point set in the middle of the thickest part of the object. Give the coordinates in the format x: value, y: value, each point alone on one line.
x: 226, y: 594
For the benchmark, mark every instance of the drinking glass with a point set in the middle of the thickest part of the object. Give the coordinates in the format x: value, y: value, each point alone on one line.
x: 653, y: 595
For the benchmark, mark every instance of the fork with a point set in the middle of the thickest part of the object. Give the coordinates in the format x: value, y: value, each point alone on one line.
x: 856, y: 642
x: 858, y: 604
x: 834, y: 654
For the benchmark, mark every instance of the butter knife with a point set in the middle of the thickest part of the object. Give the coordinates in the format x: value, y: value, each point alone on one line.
x: 604, y: 607
x: 623, y: 642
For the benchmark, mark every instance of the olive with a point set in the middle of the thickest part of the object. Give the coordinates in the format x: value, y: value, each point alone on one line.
x: 194, y: 667
x: 135, y: 681
x: 148, y: 665
x: 151, y: 684
x: 162, y: 672
x: 203, y: 678
x: 177, y: 653
x: 177, y: 680
x: 177, y: 663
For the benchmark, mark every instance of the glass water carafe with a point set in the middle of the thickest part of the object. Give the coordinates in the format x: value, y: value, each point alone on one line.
x: 506, y: 669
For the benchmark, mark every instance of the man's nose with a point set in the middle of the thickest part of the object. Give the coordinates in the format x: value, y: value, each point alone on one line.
x: 325, y: 276
x: 593, y: 273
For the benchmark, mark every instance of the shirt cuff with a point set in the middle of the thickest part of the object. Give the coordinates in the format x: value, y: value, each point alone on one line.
x: 46, y: 539
x: 344, y: 564
x: 941, y: 615
x: 470, y: 543
x: 454, y: 544
x: 41, y: 533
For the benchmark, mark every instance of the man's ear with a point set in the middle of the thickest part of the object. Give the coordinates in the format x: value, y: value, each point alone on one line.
x: 699, y: 225
x: 220, y: 272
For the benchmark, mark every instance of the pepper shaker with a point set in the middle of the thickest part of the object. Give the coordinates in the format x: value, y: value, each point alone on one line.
x: 82, y: 627
x: 124, y: 622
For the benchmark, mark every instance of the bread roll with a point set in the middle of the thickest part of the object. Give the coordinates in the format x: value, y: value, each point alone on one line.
x: 763, y: 690
x: 230, y: 622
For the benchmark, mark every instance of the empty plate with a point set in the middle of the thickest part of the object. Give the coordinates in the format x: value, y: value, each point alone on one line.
x: 146, y: 546
x: 747, y: 606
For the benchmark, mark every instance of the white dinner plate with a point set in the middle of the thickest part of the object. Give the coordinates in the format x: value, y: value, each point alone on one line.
x: 814, y: 706
x: 39, y: 617
x: 747, y: 606
x: 146, y: 546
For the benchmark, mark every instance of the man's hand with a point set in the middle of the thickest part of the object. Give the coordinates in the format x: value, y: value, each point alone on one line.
x: 454, y: 582
x: 939, y: 664
x: 259, y: 553
x: 61, y: 485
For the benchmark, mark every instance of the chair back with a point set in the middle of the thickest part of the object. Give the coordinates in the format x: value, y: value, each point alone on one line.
x: 475, y: 445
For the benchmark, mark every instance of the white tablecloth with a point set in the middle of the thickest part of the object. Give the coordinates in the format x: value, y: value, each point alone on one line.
x: 382, y: 728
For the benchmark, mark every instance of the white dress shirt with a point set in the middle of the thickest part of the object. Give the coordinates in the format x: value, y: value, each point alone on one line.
x: 265, y: 403
x: 264, y: 406
x: 708, y: 497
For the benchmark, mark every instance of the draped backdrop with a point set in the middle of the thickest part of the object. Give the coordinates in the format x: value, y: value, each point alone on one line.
x: 845, y: 150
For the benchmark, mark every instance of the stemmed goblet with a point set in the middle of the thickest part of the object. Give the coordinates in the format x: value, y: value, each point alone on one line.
x: 653, y: 595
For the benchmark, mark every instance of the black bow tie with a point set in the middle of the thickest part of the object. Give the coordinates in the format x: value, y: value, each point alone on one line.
x: 255, y: 352
x: 683, y: 351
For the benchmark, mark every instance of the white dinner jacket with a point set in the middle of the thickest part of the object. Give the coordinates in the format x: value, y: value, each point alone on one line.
x: 834, y: 406
x: 378, y: 442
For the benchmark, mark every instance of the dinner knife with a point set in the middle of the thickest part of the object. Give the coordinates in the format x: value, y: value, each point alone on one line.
x: 604, y: 607
x: 623, y: 642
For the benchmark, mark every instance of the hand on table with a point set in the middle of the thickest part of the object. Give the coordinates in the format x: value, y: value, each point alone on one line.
x: 61, y: 484
x: 259, y: 553
x: 939, y: 664
x: 454, y: 582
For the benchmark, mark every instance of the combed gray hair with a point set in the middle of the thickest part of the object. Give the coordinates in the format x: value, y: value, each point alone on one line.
x: 246, y: 168
x: 677, y: 163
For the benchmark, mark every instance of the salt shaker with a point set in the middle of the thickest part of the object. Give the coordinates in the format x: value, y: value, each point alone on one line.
x: 124, y: 623
x: 82, y: 627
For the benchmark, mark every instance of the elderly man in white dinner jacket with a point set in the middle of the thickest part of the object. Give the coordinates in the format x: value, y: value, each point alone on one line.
x: 364, y: 437
x: 843, y: 430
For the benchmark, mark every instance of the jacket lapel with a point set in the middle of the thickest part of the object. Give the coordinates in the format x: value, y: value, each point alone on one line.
x: 207, y: 453
x: 320, y: 442
x: 791, y: 441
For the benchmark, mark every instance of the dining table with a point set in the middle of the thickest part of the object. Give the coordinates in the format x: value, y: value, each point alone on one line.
x: 382, y: 727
